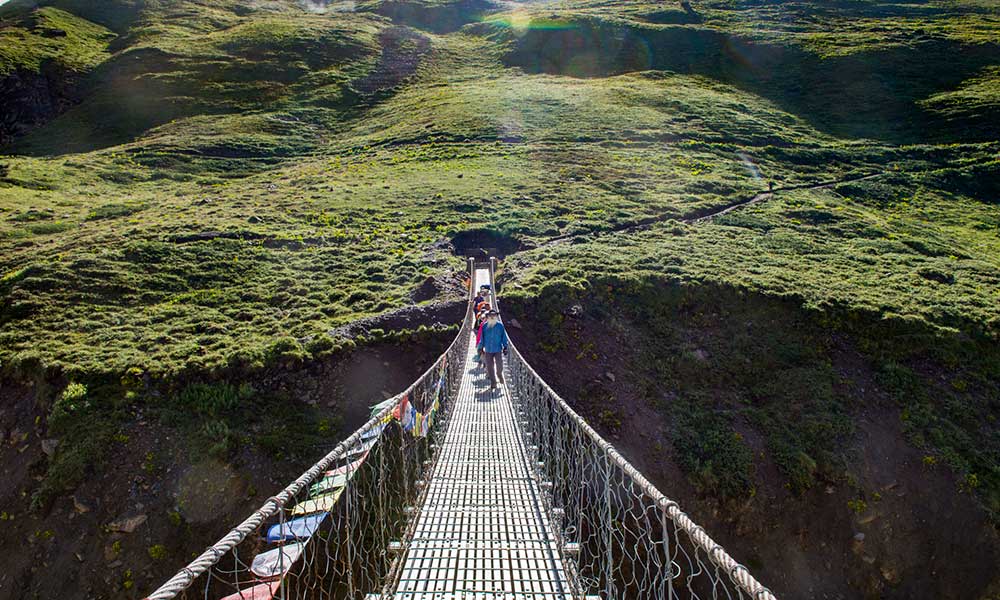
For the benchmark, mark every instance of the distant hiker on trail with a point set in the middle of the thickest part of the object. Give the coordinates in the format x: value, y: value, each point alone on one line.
x: 491, y: 343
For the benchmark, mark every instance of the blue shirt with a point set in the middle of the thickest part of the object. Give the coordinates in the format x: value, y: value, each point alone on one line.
x: 494, y: 338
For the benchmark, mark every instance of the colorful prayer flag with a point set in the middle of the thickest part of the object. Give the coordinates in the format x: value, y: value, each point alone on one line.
x: 263, y: 591
x: 354, y: 466
x: 319, y: 504
x: 420, y: 427
x: 374, y: 432
x: 407, y: 414
x: 404, y: 407
x: 331, y: 482
x: 277, y: 562
x: 377, y: 408
x: 361, y: 448
x: 297, y: 529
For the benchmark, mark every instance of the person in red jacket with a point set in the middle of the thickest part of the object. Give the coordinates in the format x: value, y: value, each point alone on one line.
x: 480, y: 322
x: 493, y: 343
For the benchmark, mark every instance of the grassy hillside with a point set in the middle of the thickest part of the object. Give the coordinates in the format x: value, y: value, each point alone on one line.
x: 50, y: 34
x: 218, y: 187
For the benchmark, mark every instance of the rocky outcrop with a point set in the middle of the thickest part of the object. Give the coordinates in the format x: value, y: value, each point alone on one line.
x: 30, y: 99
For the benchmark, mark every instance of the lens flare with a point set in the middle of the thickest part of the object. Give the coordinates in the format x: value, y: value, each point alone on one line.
x: 521, y: 21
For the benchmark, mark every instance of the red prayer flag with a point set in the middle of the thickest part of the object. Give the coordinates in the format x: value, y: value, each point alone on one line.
x: 263, y: 591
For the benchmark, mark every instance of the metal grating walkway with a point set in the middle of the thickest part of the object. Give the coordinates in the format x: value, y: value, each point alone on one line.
x: 482, y: 531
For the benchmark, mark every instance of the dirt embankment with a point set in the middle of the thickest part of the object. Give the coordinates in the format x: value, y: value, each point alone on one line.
x: 157, y: 498
x: 889, y: 523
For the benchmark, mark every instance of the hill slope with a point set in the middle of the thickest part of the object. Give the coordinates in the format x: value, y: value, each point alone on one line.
x: 220, y: 192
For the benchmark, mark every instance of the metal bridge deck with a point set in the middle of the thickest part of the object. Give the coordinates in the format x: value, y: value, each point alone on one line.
x: 482, y: 531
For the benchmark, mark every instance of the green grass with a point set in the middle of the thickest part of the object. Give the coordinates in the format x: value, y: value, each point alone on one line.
x: 305, y: 206
x: 240, y: 179
x: 182, y: 61
x: 828, y: 28
x: 52, y: 35
x: 929, y: 255
x: 839, y: 90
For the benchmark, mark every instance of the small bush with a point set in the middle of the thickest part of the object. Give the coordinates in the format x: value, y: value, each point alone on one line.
x: 73, y: 401
x: 50, y: 227
x: 221, y: 438
x: 211, y: 401
x: 284, y: 349
x: 321, y: 345
x: 610, y: 420
x: 114, y: 210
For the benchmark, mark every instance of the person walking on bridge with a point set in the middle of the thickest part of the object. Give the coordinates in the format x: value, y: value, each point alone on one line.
x: 492, y: 343
x: 481, y: 296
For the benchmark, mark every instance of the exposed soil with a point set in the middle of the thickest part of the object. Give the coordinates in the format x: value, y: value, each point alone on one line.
x: 918, y: 536
x: 484, y: 243
x: 443, y: 289
x: 408, y: 317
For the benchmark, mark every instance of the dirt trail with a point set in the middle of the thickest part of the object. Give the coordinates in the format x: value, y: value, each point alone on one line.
x: 768, y: 194
x: 644, y: 223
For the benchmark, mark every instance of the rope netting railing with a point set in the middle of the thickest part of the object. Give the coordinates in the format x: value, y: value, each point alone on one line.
x: 620, y: 537
x: 341, y: 529
x: 336, y: 531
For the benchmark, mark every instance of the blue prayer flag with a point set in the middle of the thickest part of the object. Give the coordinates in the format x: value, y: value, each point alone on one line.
x: 296, y: 529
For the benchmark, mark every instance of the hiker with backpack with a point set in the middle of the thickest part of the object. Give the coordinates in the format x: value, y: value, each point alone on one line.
x: 492, y: 344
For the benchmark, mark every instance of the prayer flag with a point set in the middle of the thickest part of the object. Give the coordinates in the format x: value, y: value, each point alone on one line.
x: 263, y: 591
x: 319, y: 504
x: 377, y: 408
x: 297, y: 529
x: 277, y: 562
x: 328, y: 483
x: 374, y: 432
x: 408, y: 417
x: 361, y: 448
x: 350, y: 467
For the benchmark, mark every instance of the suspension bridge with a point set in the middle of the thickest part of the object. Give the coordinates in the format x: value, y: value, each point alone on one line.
x: 453, y: 491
